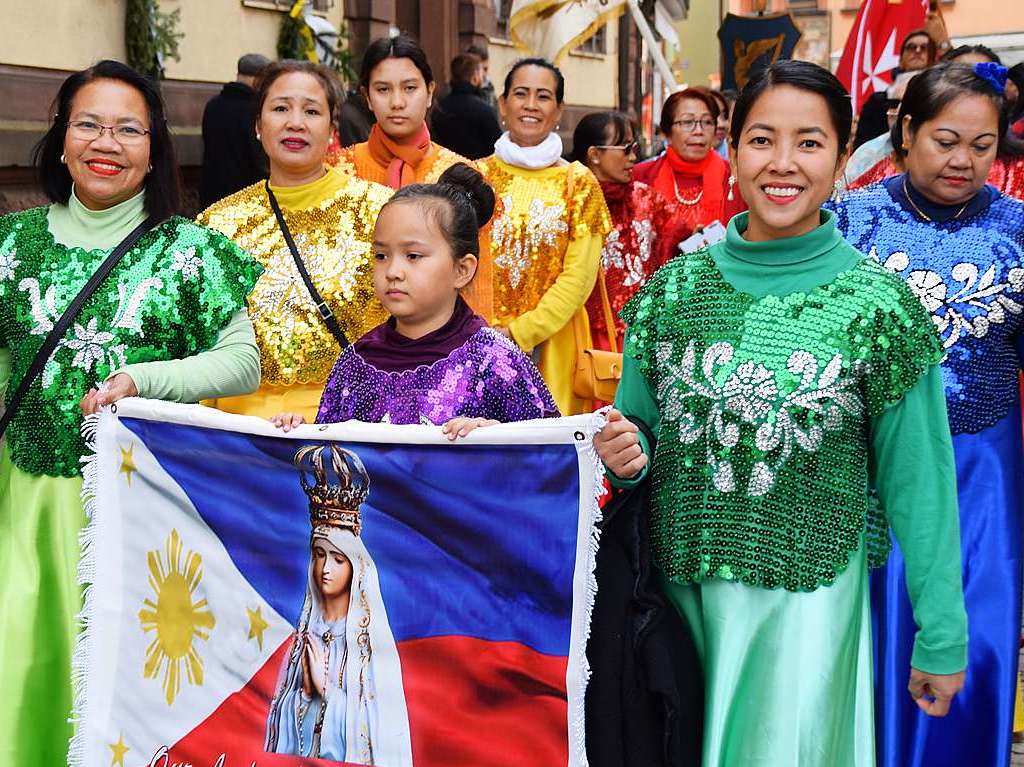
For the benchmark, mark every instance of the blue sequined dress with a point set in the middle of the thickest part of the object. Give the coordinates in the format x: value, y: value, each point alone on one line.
x: 967, y: 270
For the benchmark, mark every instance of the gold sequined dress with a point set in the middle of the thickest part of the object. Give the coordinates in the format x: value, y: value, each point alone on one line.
x: 332, y: 221
x: 546, y: 246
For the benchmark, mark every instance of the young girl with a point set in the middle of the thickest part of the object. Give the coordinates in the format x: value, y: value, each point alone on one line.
x: 434, y: 361
x: 784, y: 373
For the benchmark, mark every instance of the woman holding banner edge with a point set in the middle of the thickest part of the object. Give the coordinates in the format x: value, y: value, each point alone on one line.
x: 781, y: 370
x: 169, y: 323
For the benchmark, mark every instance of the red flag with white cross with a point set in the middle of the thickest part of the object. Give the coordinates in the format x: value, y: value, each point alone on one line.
x: 873, y: 48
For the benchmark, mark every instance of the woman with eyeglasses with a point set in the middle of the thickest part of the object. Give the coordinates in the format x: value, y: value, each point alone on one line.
x: 167, y: 322
x: 547, y: 237
x: 695, y: 179
x: 645, y: 226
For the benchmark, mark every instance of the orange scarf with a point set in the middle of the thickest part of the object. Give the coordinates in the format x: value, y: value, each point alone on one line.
x: 401, y: 159
x: 712, y: 171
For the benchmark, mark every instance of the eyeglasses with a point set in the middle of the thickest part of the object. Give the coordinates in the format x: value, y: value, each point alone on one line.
x: 916, y: 47
x: 689, y: 126
x: 630, y: 148
x: 87, y: 130
x: 893, y: 105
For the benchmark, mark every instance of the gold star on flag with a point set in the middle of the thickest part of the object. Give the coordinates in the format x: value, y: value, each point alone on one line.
x: 119, y: 749
x: 257, y: 625
x: 128, y: 463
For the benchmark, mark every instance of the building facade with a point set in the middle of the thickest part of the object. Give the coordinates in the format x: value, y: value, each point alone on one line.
x: 43, y: 41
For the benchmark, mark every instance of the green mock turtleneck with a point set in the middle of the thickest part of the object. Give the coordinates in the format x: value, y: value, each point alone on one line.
x: 920, y: 505
x: 75, y: 226
x: 781, y: 267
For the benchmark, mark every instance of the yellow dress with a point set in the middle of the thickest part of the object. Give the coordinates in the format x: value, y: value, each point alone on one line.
x: 359, y: 161
x: 546, y: 249
x: 332, y: 221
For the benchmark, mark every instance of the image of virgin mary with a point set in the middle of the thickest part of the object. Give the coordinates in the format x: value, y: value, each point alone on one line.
x: 340, y: 695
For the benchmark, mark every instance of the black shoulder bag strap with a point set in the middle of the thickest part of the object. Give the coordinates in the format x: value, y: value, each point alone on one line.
x: 321, y: 306
x: 70, y: 314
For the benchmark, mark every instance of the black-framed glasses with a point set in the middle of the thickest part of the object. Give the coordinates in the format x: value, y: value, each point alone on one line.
x: 630, y: 148
x: 690, y: 125
x: 87, y: 130
x: 893, y: 105
x: 916, y: 47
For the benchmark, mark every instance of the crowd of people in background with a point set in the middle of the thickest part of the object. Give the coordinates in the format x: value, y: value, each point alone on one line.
x: 816, y: 354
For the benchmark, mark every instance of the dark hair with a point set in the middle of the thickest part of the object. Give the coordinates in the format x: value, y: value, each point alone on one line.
x: 277, y: 69
x: 668, y: 111
x: 543, y: 64
x: 399, y: 47
x: 464, y: 66
x: 719, y: 97
x: 964, y: 50
x: 465, y: 203
x: 480, y: 51
x: 936, y: 88
x: 592, y: 130
x: 251, y: 64
x: 806, y: 77
x: 933, y: 51
x: 162, y: 185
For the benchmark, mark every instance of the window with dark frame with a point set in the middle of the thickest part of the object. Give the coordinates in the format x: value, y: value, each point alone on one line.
x: 504, y: 13
x: 597, y: 43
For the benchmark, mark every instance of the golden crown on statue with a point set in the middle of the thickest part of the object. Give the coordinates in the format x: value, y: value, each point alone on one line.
x: 337, y: 485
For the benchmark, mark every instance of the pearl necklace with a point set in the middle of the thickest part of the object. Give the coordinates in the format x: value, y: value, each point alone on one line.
x: 682, y: 199
x: 924, y: 215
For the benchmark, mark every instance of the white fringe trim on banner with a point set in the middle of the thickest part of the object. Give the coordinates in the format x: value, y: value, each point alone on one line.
x: 592, y: 511
x: 86, y: 575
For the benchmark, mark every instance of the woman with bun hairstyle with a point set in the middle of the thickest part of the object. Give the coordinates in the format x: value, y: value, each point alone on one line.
x: 434, y: 361
x: 328, y: 215
x: 785, y: 376
x: 959, y: 245
x: 547, y: 237
x: 690, y: 173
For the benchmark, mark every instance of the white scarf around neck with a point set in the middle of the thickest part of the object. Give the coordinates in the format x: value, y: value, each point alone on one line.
x: 544, y: 155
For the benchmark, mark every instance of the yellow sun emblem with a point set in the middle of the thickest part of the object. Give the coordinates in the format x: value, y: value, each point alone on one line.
x: 175, y: 618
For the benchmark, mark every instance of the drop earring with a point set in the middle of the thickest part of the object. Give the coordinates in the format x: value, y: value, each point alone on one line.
x: 732, y: 183
x: 837, y: 191
x: 63, y: 161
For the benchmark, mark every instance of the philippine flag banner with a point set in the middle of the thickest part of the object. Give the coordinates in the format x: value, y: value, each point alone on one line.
x: 344, y: 594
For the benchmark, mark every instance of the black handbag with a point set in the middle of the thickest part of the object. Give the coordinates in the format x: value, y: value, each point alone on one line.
x: 645, y: 698
x: 60, y: 327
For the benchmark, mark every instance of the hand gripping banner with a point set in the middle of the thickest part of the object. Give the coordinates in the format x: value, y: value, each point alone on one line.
x: 353, y: 593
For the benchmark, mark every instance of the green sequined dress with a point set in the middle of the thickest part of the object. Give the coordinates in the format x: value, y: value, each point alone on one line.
x: 785, y: 380
x: 172, y: 297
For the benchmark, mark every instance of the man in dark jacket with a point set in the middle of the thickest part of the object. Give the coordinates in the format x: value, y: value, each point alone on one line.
x: 463, y: 121
x: 232, y: 157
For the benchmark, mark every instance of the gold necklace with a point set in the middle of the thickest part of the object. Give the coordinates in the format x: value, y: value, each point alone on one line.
x: 924, y: 215
x: 682, y: 199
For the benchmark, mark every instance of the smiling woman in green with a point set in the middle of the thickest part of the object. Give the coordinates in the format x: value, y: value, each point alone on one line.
x: 785, y: 376
x: 168, y: 322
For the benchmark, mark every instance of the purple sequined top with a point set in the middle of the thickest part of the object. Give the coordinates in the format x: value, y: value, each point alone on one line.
x: 486, y: 377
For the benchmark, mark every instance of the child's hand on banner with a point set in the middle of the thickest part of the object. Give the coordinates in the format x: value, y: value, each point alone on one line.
x: 287, y: 421
x: 460, y: 427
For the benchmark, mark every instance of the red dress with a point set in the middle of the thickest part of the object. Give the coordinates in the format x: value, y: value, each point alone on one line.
x: 683, y: 184
x: 645, y: 233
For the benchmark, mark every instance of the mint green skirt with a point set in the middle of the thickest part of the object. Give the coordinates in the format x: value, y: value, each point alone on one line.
x: 40, y: 518
x: 788, y: 676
